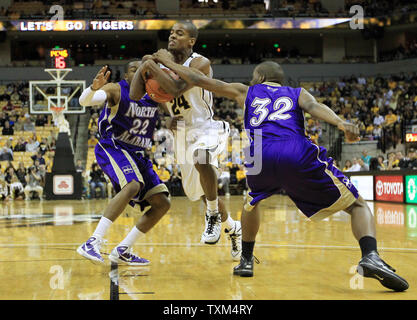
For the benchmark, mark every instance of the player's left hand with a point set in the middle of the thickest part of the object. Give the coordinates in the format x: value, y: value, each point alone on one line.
x: 163, y: 55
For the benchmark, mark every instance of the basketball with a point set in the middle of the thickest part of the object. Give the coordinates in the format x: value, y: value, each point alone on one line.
x: 155, y: 91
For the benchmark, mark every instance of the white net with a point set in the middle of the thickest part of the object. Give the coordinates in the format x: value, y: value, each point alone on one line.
x: 58, y: 117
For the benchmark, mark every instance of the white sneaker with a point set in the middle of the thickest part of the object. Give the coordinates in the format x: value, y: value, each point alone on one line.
x: 124, y: 255
x: 91, y: 249
x: 212, y: 231
x: 235, y: 236
x: 227, y: 195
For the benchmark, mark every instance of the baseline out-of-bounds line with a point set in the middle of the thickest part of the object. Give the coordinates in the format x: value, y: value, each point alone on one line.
x: 160, y: 244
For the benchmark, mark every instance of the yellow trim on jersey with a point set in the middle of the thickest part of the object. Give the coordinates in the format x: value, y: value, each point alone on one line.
x: 113, y: 112
x: 133, y: 164
x: 120, y: 176
x: 345, y: 200
x: 155, y: 190
x: 270, y: 83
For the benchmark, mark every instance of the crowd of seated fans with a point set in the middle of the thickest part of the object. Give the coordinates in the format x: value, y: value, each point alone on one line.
x: 380, y: 106
x: 393, y: 161
x: 27, y: 145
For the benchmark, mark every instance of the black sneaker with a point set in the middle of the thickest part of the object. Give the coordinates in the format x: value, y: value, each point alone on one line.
x: 245, y: 268
x: 372, y: 266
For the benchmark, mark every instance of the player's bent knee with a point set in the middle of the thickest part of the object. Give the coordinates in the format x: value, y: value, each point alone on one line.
x: 359, y: 203
x: 133, y: 187
x: 160, y: 202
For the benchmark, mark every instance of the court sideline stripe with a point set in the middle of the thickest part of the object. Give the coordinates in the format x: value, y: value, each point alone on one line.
x: 265, y: 245
x: 114, y: 282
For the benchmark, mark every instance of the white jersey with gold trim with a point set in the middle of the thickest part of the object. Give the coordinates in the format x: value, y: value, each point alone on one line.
x: 195, y: 105
x: 201, y: 132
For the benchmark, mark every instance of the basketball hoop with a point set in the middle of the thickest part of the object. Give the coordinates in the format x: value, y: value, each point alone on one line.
x: 59, y: 120
x: 56, y: 111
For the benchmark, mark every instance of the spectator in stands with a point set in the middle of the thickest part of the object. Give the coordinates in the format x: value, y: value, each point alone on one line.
x: 40, y: 120
x: 373, y: 164
x: 93, y: 124
x: 6, y: 154
x: 4, y: 190
x: 38, y: 156
x: 43, y: 146
x: 7, y: 129
x: 32, y: 145
x: 52, y: 144
x: 93, y: 139
x: 9, y: 106
x: 390, y: 119
x: 378, y: 119
x: 377, y: 132
x: 21, y: 173
x: 348, y: 165
x: 15, y: 186
x: 33, y: 180
x: 413, y: 159
x: 19, y: 124
x: 355, y: 165
x: 393, y: 162
x: 224, y: 181
x: 28, y: 124
x: 96, y: 181
x: 20, y: 145
x: 366, y: 157
x: 363, y: 165
x: 381, y: 165
x: 79, y: 167
x: 163, y: 173
x: 3, y: 119
x: 42, y: 174
x: 409, y: 162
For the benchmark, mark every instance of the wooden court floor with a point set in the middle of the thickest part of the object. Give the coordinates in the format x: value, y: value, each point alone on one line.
x: 299, y: 259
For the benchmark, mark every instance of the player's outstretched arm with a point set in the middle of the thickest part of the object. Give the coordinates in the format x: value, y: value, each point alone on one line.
x: 320, y: 111
x: 194, y: 77
x: 100, y: 90
x: 137, y: 86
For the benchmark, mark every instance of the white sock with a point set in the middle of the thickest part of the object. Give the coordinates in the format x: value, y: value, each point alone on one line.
x: 213, y: 205
x: 102, y: 227
x: 132, y: 237
x: 230, y: 223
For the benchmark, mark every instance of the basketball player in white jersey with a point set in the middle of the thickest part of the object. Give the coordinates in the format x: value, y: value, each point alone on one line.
x: 205, y: 137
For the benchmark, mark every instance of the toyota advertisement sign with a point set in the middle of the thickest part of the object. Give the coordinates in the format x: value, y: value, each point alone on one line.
x: 389, y: 188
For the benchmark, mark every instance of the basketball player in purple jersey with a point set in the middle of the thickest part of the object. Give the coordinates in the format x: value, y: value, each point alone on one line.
x: 290, y: 161
x: 126, y: 128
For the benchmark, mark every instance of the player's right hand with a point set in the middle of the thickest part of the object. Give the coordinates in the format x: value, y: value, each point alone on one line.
x: 101, y: 78
x: 351, y: 131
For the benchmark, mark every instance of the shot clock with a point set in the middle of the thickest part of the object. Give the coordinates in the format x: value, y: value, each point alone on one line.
x: 57, y: 58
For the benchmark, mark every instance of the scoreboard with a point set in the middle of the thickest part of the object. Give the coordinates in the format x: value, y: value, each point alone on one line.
x: 57, y: 58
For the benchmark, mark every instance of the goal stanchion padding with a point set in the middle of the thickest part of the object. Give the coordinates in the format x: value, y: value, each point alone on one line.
x: 64, y: 182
